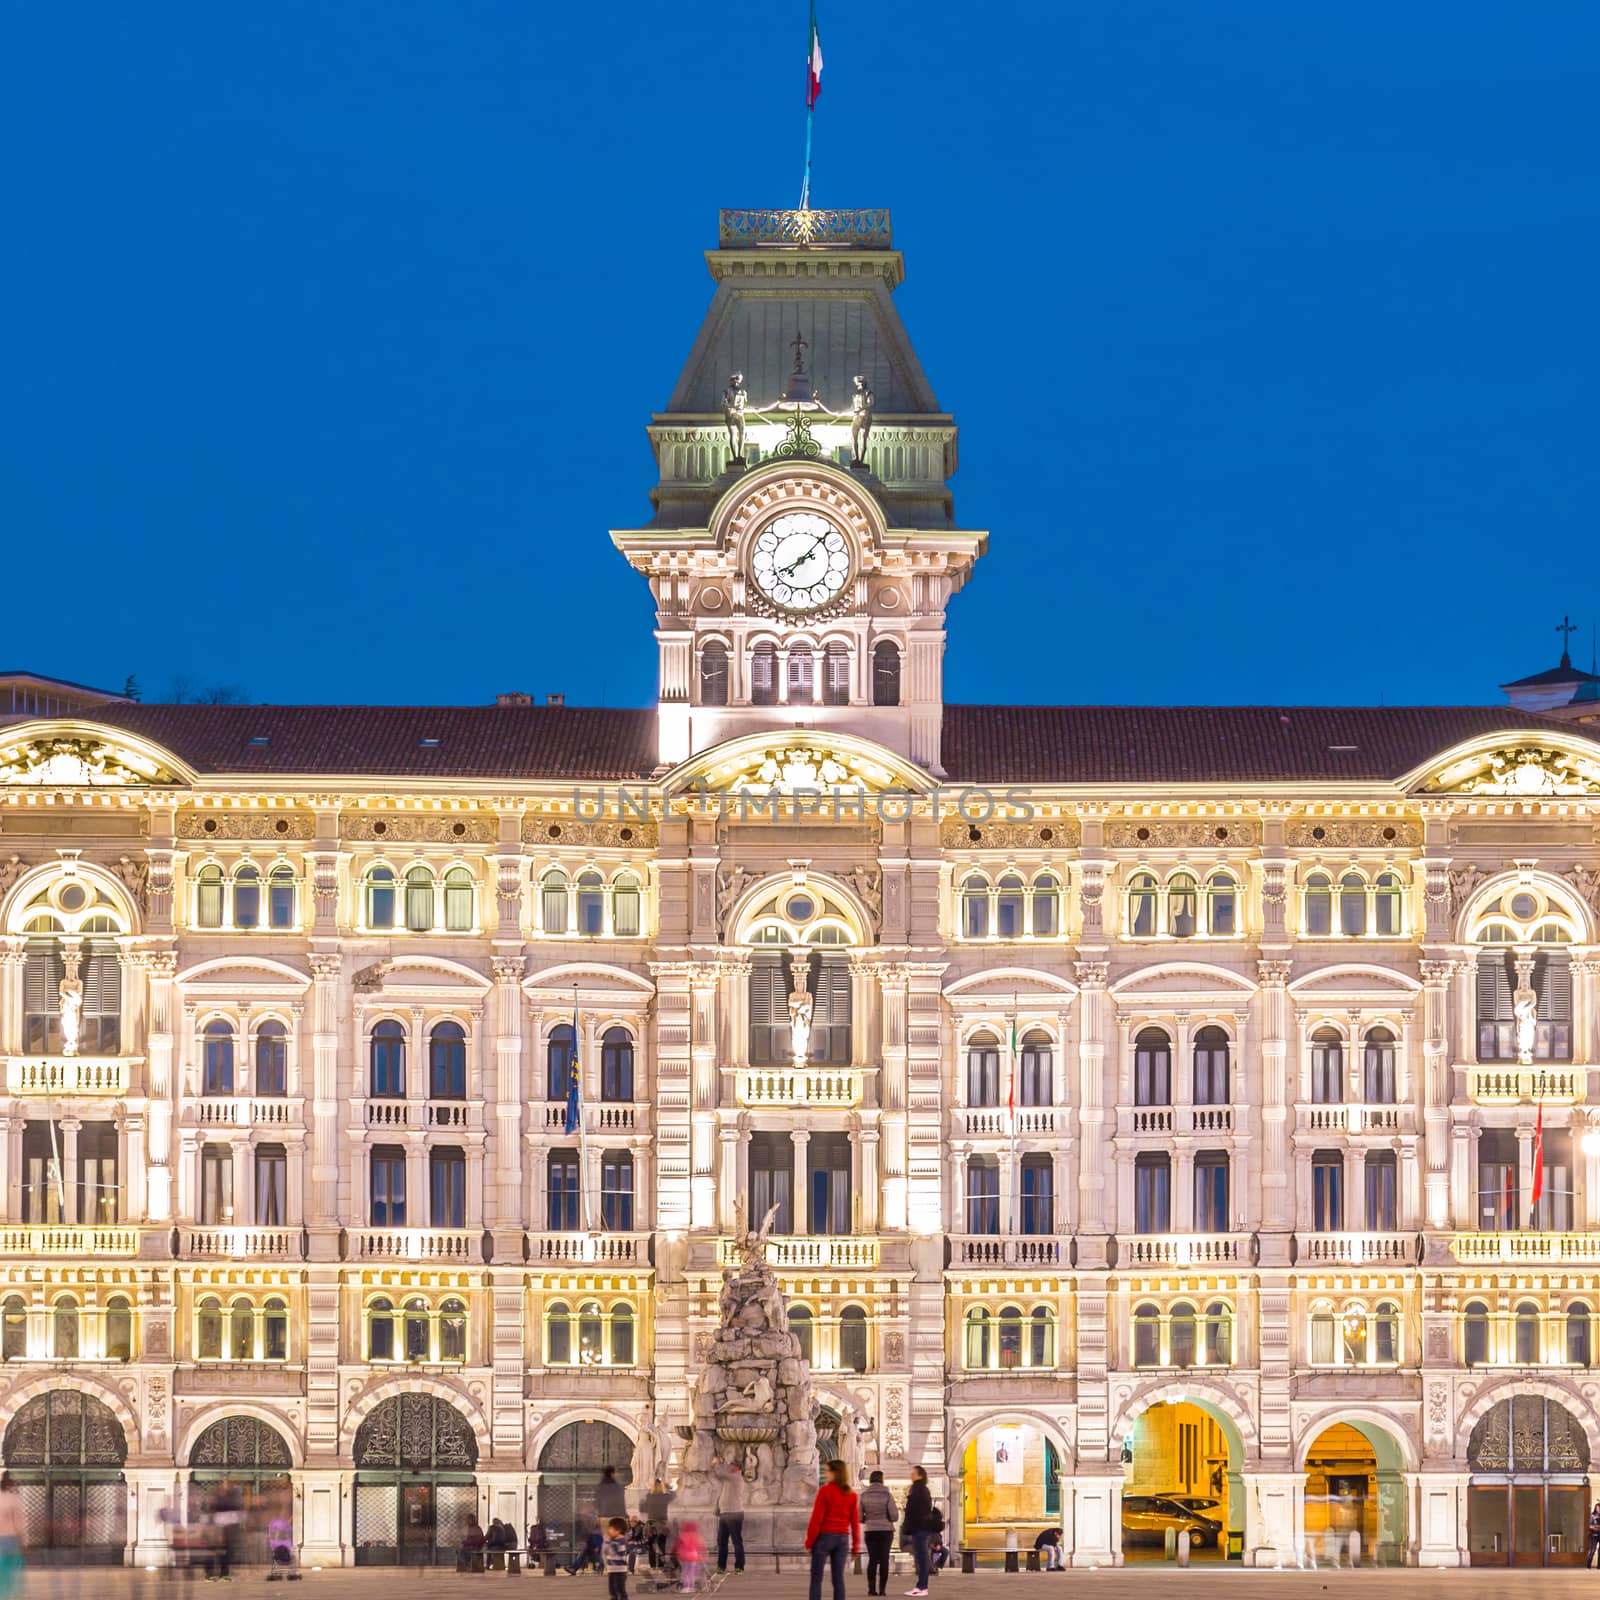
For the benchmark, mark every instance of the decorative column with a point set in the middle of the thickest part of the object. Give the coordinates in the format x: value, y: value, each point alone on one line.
x: 1277, y: 1195
x: 868, y: 1205
x: 160, y: 967
x: 800, y: 1140
x: 704, y: 980
x: 324, y: 1209
x: 13, y: 956
x: 507, y: 1187
x: 729, y: 1187
x: 1093, y: 1130
x: 243, y: 1201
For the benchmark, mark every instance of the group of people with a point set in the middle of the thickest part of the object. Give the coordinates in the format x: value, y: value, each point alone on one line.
x: 479, y: 1545
x: 221, y: 1527
x: 840, y: 1519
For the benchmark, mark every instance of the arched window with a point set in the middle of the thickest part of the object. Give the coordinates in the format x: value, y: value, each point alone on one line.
x: 208, y: 896
x: 802, y: 1327
x: 414, y: 1329
x: 616, y: 1065
x: 1327, y: 1067
x: 280, y: 897
x: 764, y: 674
x: 380, y: 896
x: 447, y: 1061
x: 1322, y: 1338
x: 1386, y: 1333
x: 1211, y: 1067
x: 459, y: 911
x: 558, y: 1334
x: 1579, y: 1346
x: 1038, y: 1075
x: 14, y: 1328
x: 1500, y: 973
x: 977, y: 1357
x: 853, y: 1339
x: 616, y: 1191
x: 241, y: 1330
x: 419, y: 900
x: 983, y: 1070
x: 1353, y: 905
x: 1152, y: 1068
x: 836, y: 673
x: 553, y: 902
x: 714, y: 673
x: 1475, y: 1334
x: 983, y: 1195
x: 1010, y: 1330
x: 558, y: 1062
x: 246, y: 897
x: 208, y: 1330
x: 591, y: 904
x: 1377, y: 1067
x: 1182, y: 905
x: 119, y: 1328
x: 1222, y: 905
x: 885, y: 674
x: 1319, y: 905
x: 625, y: 906
x: 622, y: 1334
x: 1009, y: 903
x: 1042, y: 1337
x: 1180, y: 1335
x: 1142, y: 905
x: 1527, y: 1334
x: 1387, y: 904
x: 1146, y: 1336
x: 1046, y: 906
x: 216, y: 1057
x: 272, y: 1058
x: 64, y: 1329
x: 275, y: 1330
x: 388, y: 1057
x: 975, y: 908
x: 1219, y: 1334
x: 801, y: 692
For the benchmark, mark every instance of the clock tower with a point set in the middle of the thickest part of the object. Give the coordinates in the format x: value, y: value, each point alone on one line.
x: 804, y: 545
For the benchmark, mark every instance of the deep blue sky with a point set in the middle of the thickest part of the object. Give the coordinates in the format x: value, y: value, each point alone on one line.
x: 332, y: 330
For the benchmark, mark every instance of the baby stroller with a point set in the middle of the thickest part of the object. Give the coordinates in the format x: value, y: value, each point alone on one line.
x: 280, y: 1550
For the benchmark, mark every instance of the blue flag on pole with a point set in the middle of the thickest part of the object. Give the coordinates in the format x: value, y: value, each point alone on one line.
x: 574, y: 1083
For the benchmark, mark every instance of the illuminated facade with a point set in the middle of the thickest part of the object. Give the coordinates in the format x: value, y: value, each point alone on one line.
x: 1192, y: 1101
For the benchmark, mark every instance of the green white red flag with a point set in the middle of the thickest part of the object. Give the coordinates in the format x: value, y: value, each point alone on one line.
x: 813, y: 63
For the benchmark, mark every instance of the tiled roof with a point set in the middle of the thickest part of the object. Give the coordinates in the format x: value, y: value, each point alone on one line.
x: 1212, y: 744
x: 1565, y: 673
x: 383, y: 741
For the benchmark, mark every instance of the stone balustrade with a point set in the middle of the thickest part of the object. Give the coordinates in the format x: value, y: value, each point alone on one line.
x: 103, y: 1076
x: 809, y: 1250
x: 64, y: 1239
x: 1183, y: 1249
x: 238, y: 1244
x: 806, y: 1086
x: 463, y: 1245
x: 1009, y: 1250
x: 1513, y: 1085
x: 630, y: 1249
x: 1526, y: 1245
x: 1355, y: 1249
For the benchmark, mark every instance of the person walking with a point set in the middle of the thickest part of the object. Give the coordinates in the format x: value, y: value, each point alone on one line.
x: 227, y: 1512
x: 917, y: 1523
x: 656, y: 1509
x: 609, y: 1499
x: 834, y: 1530
x: 878, y: 1516
x: 730, y: 1515
x: 11, y: 1534
x: 1592, y: 1559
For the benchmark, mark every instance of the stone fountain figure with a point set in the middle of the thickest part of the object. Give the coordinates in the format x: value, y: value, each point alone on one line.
x: 753, y: 1406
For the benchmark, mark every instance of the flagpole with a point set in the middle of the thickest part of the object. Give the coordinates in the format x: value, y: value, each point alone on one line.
x: 1016, y: 1173
x: 813, y: 85
x: 805, y: 185
x: 583, y: 1117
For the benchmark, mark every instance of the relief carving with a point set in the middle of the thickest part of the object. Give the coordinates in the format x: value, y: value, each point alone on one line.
x: 1233, y: 834
x: 561, y: 832
x: 956, y: 833
x: 236, y: 825
x: 404, y: 829
x: 1354, y: 833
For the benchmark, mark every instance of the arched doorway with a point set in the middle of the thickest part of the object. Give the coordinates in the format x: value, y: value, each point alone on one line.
x: 1355, y: 1484
x: 1010, y: 1478
x: 255, y: 1458
x: 570, y: 1465
x: 1180, y: 1473
x: 64, y: 1453
x: 1528, y: 1458
x: 416, y: 1457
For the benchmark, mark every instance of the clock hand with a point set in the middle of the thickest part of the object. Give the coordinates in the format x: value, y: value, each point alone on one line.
x: 801, y: 559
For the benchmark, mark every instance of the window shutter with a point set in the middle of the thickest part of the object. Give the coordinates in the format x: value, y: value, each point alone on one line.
x: 1494, y: 987
x: 102, y: 981
x: 769, y: 1004
x: 1552, y: 982
x: 42, y: 983
x: 832, y: 988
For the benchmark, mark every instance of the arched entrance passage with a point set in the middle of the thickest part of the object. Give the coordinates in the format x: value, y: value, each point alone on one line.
x: 64, y: 1453
x: 1526, y: 1497
x: 416, y: 1456
x: 1181, y: 1460
x: 1010, y: 1477
x: 254, y: 1457
x: 570, y: 1465
x: 1355, y: 1484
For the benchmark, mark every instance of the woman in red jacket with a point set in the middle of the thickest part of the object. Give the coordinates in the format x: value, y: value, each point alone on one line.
x: 835, y: 1528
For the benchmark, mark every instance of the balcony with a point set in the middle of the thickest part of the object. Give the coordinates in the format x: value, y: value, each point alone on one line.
x: 51, y: 1239
x: 808, y: 1250
x: 839, y: 1088
x: 1353, y: 1118
x: 582, y: 1249
x: 240, y: 1244
x: 1510, y: 1085
x: 1030, y: 1120
x: 1009, y: 1250
x: 609, y: 1116
x: 1163, y: 1121
x: 463, y: 1246
x: 1525, y: 1246
x: 1184, y: 1250
x: 1355, y: 1249
x: 247, y: 1111
x: 50, y: 1076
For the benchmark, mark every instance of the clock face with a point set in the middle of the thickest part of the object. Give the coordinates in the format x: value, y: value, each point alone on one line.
x: 801, y: 561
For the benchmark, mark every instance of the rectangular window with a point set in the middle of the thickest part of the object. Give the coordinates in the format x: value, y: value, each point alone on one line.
x: 1498, y: 1204
x: 1554, y: 1210
x: 388, y: 1187
x: 983, y: 1075
x: 1382, y: 1192
x: 447, y: 1187
x: 1152, y: 1072
x: 100, y: 1028
x: 1211, y: 1193
x: 772, y: 1178
x: 97, y: 1172
x: 563, y: 1178
x: 983, y: 1195
x: 1327, y: 1192
x: 1037, y: 1088
x: 1038, y: 1194
x: 1152, y: 1193
x: 616, y: 1191
x: 272, y: 1186
x: 769, y: 1011
x: 216, y: 1184
x: 829, y: 1154
x: 42, y: 972
x: 1496, y: 1031
x: 830, y: 1017
x: 42, y: 1197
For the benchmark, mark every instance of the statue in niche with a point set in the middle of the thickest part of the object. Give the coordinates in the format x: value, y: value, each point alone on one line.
x: 861, y: 403
x: 70, y: 993
x: 801, y: 1004
x: 734, y: 400
x: 1525, y: 1015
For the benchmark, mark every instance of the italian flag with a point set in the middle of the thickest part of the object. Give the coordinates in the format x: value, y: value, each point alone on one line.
x: 813, y: 63
x: 1538, y: 1166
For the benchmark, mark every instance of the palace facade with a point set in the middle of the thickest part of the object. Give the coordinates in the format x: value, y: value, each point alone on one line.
x: 1192, y: 1101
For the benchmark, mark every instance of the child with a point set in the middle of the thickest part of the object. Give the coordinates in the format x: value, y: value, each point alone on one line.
x: 615, y: 1555
x: 691, y: 1553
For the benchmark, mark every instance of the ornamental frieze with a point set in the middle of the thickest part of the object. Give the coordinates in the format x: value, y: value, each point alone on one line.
x: 1353, y: 833
x: 561, y: 832
x: 236, y: 825
x: 402, y: 828
x: 1233, y: 834
x: 956, y: 833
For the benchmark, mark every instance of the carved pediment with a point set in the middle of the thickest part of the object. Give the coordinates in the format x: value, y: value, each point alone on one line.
x: 78, y: 762
x: 1191, y: 979
x: 790, y: 767
x: 1353, y: 983
x: 1009, y: 983
x: 1533, y: 771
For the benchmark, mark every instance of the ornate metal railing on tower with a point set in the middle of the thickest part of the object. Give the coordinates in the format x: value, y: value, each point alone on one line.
x: 863, y: 230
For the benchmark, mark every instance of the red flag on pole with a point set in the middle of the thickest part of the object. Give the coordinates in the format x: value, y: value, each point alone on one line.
x: 1538, y: 1165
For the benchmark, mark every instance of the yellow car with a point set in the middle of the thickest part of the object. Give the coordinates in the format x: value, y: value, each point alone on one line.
x: 1148, y: 1518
